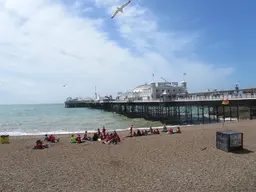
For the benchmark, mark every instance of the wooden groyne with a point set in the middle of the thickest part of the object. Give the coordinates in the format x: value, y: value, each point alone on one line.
x: 182, y: 112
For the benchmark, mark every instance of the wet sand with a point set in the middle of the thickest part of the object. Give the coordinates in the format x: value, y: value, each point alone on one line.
x: 148, y: 163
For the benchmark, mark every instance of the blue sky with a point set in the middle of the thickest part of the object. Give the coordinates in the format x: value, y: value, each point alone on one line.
x: 46, y: 44
x: 227, y: 31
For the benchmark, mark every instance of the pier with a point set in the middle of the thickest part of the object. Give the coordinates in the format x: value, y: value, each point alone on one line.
x: 187, y: 110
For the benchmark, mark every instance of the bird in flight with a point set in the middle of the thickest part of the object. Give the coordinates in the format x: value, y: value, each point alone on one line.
x: 120, y: 9
x: 64, y: 85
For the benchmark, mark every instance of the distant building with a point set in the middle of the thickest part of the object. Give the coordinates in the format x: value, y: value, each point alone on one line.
x: 155, y: 91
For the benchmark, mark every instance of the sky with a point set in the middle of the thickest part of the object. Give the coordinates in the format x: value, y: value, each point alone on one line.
x: 45, y: 44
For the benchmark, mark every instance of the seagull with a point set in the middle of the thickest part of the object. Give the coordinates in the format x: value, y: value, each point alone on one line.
x: 64, y: 85
x: 120, y: 9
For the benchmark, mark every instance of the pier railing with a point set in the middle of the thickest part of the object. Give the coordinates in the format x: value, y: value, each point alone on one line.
x: 199, y: 98
x: 221, y: 97
x: 190, y: 98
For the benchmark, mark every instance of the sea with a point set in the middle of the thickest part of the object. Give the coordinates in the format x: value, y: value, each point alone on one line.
x: 17, y: 120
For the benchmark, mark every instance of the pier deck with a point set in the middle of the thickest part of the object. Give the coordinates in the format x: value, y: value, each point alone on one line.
x: 191, y: 110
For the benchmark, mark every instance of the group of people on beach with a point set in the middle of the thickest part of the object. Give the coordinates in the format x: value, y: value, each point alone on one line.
x: 41, y: 145
x: 171, y: 130
x: 107, y: 138
x: 112, y: 138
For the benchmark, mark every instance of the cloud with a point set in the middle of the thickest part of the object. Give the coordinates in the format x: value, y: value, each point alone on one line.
x: 46, y: 44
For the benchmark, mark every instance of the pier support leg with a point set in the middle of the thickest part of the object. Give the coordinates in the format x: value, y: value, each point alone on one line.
x: 237, y: 112
x: 209, y: 114
x: 202, y: 114
x: 191, y: 114
x: 179, y: 113
x: 224, y: 114
x: 251, y: 115
x: 198, y: 113
x: 217, y: 114
x: 230, y: 112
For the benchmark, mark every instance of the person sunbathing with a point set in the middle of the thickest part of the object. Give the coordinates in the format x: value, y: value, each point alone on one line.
x: 53, y: 139
x: 95, y: 137
x: 116, y: 136
x: 138, y: 133
x: 156, y: 131
x: 40, y: 145
x: 99, y: 133
x: 102, y: 136
x: 108, y: 139
x: 178, y: 130
x: 73, y: 139
x: 170, y: 131
x: 78, y: 139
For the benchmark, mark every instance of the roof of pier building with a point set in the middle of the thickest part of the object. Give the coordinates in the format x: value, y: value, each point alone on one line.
x: 141, y: 88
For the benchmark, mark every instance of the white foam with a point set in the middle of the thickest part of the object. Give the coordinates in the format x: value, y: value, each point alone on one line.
x: 60, y: 132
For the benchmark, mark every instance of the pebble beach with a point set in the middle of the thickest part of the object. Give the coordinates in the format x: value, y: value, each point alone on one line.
x: 183, y: 162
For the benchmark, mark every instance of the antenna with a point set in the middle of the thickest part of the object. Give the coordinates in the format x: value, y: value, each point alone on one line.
x: 95, y: 92
x: 153, y: 77
x: 184, y: 74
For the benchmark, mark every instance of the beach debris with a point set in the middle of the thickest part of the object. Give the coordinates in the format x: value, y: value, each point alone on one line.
x: 204, y: 148
x: 120, y: 9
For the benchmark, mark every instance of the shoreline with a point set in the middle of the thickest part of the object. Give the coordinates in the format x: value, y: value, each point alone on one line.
x: 123, y: 131
x: 18, y: 134
x: 95, y: 131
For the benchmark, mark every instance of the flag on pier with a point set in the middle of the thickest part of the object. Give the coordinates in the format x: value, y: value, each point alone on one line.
x: 225, y: 102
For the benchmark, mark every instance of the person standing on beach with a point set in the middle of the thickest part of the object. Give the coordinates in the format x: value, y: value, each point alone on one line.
x: 104, y: 131
x: 131, y: 128
x: 164, y: 129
